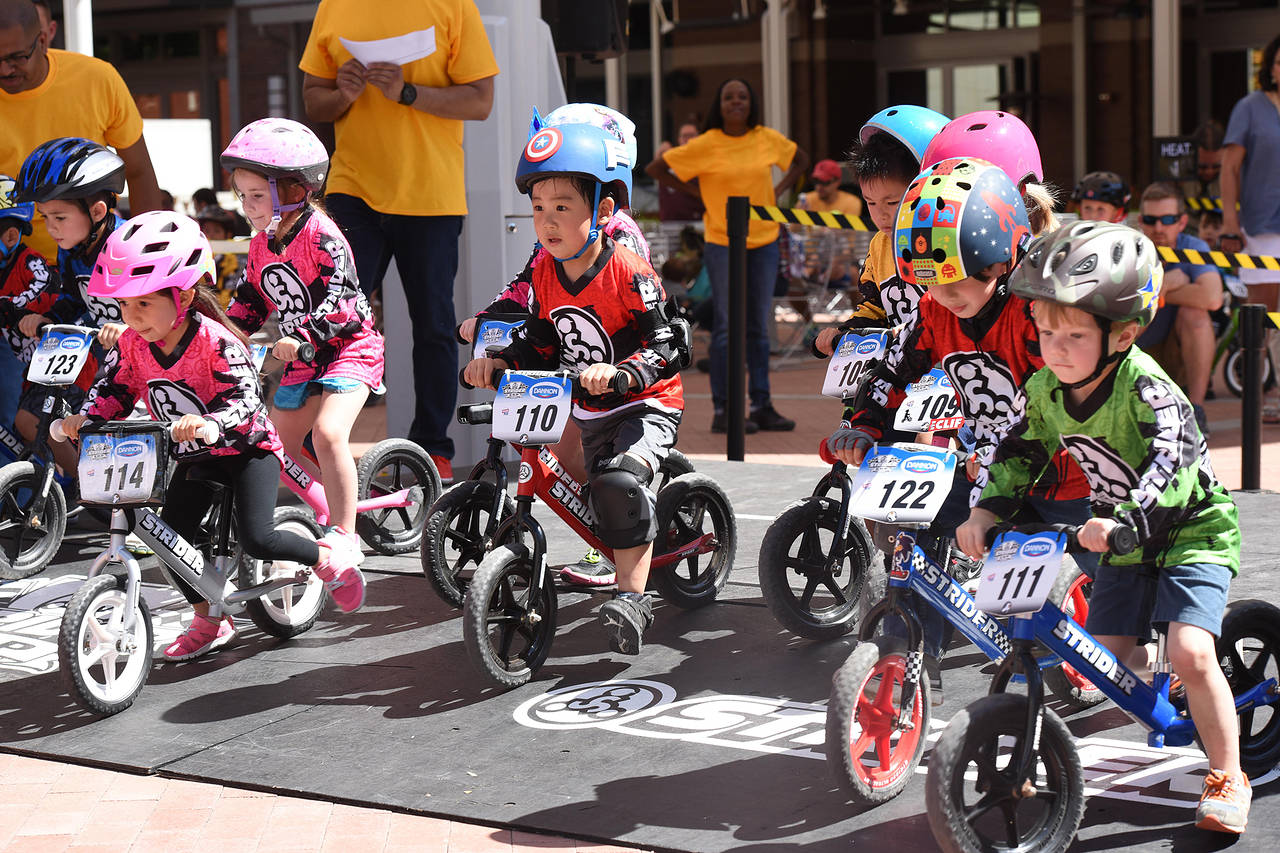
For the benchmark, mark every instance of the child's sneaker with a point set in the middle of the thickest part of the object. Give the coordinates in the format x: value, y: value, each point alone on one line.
x: 342, y: 579
x: 338, y: 538
x: 1224, y: 805
x: 135, y: 546
x: 203, y: 635
x: 592, y: 570
x: 625, y: 617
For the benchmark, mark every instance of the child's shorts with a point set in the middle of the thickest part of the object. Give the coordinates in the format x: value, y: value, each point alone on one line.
x: 640, y: 431
x: 290, y: 397
x: 1128, y: 600
x: 34, y: 396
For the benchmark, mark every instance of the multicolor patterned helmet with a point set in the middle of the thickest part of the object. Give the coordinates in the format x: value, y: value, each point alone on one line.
x: 911, y: 125
x: 1106, y: 187
x: 69, y: 168
x: 958, y: 217
x: 1107, y: 269
x: 997, y: 137
x: 11, y: 209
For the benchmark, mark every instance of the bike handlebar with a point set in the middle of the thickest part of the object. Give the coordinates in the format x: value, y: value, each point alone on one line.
x: 619, y: 384
x: 306, y: 351
x: 1121, y: 540
x: 208, y: 433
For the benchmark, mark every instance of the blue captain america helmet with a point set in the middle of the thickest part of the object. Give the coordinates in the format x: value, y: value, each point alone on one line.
x: 580, y: 150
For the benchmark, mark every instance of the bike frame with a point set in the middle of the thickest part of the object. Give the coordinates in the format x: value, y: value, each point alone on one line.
x: 311, y: 490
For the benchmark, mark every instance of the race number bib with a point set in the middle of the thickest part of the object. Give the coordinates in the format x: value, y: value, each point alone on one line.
x: 118, y: 469
x: 854, y: 356
x: 61, y: 353
x: 532, y: 407
x: 930, y: 405
x: 902, y: 483
x: 259, y: 353
x: 493, y: 333
x: 1019, y: 572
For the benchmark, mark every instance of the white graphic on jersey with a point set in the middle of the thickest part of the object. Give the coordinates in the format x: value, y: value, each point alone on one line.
x: 899, y: 300
x: 101, y: 310
x: 583, y: 341
x: 1110, y: 477
x: 283, y: 289
x: 650, y: 295
x: 991, y: 399
x: 169, y: 401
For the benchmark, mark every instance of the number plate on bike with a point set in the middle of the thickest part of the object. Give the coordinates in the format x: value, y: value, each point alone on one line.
x: 1019, y: 572
x: 61, y: 353
x: 531, y: 407
x: 854, y: 356
x: 902, y: 483
x: 493, y: 333
x: 123, y: 466
x: 930, y: 405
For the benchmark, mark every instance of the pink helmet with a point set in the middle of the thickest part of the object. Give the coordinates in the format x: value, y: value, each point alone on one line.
x: 995, y: 136
x: 151, y: 252
x: 279, y: 148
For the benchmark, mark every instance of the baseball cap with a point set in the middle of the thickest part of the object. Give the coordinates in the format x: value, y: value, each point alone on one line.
x: 826, y: 170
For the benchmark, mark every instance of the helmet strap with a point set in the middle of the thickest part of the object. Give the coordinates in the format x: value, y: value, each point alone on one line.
x: 277, y: 208
x: 97, y: 230
x: 178, y: 314
x: 594, y: 235
x: 1105, y: 357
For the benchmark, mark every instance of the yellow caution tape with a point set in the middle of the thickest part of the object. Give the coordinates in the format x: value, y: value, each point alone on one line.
x: 796, y: 216
x: 1225, y: 260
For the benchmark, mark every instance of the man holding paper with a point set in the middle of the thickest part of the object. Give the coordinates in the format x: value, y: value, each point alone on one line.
x: 397, y: 81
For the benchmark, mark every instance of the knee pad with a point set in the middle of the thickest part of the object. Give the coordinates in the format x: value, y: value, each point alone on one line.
x: 623, y: 507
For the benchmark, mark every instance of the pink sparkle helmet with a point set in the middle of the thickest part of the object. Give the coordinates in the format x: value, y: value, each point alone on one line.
x: 995, y: 136
x: 151, y: 252
x: 279, y: 148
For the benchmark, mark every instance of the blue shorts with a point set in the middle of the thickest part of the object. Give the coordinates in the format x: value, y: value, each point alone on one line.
x: 290, y: 397
x: 1127, y: 600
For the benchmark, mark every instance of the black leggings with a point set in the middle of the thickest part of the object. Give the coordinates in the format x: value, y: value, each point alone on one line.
x: 256, y: 480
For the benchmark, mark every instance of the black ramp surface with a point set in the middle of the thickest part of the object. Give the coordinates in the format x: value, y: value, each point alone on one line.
x: 711, y: 740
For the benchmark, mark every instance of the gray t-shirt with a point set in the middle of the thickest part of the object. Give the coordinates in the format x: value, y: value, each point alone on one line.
x: 1255, y: 125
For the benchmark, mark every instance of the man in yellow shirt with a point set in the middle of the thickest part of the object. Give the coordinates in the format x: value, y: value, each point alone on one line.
x: 396, y: 178
x: 46, y: 94
x: 826, y: 196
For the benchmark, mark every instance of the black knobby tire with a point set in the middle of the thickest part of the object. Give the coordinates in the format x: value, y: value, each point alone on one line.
x: 673, y: 466
x: 1071, y: 591
x: 293, y: 610
x: 796, y: 579
x: 984, y: 815
x: 389, y: 466
x: 1249, y: 653
x: 692, y: 506
x: 87, y: 641
x: 454, y: 543
x: 26, y: 549
x: 507, y: 631
x: 1233, y: 372
x: 866, y: 695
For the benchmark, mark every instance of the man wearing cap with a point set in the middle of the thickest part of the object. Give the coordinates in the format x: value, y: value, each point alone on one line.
x: 827, y: 197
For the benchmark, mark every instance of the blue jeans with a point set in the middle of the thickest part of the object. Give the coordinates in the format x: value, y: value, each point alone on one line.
x: 426, y: 253
x: 762, y: 272
x: 11, y: 372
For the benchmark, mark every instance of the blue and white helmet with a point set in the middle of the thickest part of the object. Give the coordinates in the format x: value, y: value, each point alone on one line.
x: 10, y: 208
x: 69, y: 168
x: 581, y: 150
x: 595, y: 115
x: 912, y: 125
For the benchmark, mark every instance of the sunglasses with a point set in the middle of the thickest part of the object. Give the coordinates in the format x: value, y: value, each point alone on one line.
x: 1167, y: 219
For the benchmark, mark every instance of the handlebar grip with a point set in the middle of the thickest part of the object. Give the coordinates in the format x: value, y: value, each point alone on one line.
x: 1122, y: 540
x: 620, y: 383
x: 208, y: 433
x: 56, y: 432
x: 496, y: 376
x: 306, y: 351
x: 462, y: 380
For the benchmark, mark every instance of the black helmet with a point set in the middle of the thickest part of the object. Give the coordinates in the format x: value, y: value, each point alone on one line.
x: 1103, y: 186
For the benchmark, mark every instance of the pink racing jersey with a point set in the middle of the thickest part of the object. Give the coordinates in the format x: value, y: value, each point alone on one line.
x: 309, y: 277
x: 209, y: 373
x: 515, y: 297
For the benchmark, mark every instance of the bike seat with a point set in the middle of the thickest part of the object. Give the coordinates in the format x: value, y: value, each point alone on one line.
x: 210, y: 472
x: 476, y: 413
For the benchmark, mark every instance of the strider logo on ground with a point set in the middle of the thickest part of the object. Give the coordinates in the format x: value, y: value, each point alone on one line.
x: 1116, y: 769
x: 1098, y: 656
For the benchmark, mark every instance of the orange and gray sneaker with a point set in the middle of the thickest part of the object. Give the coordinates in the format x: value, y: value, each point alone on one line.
x: 1224, y: 805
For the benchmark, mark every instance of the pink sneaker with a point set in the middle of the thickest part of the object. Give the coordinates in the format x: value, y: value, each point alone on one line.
x: 202, y: 635
x: 338, y: 538
x: 344, y: 581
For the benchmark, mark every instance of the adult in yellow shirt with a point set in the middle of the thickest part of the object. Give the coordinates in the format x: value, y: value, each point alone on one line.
x: 735, y: 155
x: 46, y: 94
x: 826, y: 195
x: 396, y: 177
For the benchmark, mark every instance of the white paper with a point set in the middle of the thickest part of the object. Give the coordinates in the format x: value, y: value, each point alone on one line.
x: 398, y: 50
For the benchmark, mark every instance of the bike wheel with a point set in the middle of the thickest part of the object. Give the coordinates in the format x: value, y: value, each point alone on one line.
x: 674, y: 465
x: 454, y: 543
x: 102, y: 666
x: 693, y: 506
x: 388, y: 467
x: 1249, y: 652
x: 1233, y: 372
x: 989, y: 814
x: 28, y: 543
x: 870, y: 756
x: 292, y: 610
x: 810, y: 593
x: 506, y: 627
x: 1071, y: 593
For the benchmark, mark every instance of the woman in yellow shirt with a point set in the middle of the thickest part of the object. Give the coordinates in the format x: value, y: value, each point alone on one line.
x: 735, y: 155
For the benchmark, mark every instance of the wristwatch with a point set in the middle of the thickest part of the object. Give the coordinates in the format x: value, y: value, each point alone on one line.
x: 408, y: 94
